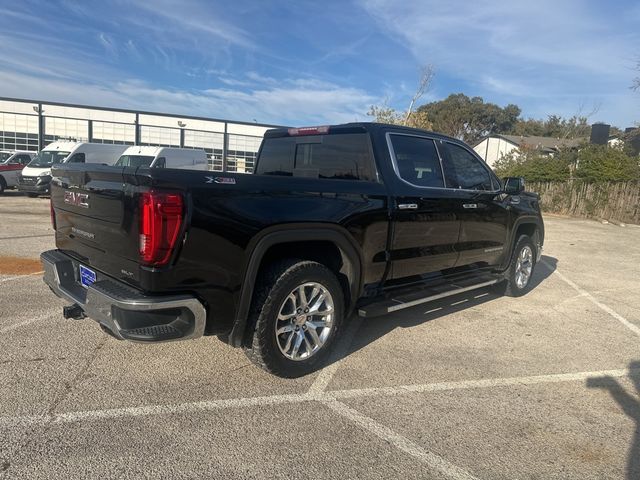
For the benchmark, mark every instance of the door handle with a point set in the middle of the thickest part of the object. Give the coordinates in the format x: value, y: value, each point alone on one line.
x: 407, y: 206
x: 470, y: 205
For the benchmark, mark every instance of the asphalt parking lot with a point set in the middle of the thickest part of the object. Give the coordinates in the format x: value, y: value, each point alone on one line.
x: 477, y: 386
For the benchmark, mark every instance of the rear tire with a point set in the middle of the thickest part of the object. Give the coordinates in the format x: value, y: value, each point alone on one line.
x: 520, y: 271
x: 302, y: 300
x: 3, y: 185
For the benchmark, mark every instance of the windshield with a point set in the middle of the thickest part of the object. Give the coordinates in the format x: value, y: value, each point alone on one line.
x: 134, y: 161
x: 46, y: 159
x: 4, y: 156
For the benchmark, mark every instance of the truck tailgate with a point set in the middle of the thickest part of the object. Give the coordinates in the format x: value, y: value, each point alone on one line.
x: 95, y: 213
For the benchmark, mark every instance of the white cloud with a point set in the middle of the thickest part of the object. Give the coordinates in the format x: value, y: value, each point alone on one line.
x: 537, y: 54
x: 289, y: 104
x: 108, y: 44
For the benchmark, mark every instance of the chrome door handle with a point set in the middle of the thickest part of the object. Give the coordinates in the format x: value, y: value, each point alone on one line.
x: 470, y: 205
x: 407, y: 206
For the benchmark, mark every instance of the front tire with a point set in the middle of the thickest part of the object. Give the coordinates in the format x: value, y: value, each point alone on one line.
x: 296, y: 314
x: 520, y: 271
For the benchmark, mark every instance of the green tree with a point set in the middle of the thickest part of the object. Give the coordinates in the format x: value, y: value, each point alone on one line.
x: 470, y: 118
x: 554, y: 126
x: 599, y: 163
x: 534, y: 166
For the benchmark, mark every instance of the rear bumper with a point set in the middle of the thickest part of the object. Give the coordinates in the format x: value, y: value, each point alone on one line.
x: 125, y: 312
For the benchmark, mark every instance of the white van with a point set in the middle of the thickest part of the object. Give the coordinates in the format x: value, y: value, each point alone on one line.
x: 36, y: 176
x: 164, y: 157
x: 11, y: 164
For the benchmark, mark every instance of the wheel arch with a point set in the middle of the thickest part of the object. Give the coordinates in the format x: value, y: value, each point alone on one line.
x: 290, y: 240
x: 527, y: 225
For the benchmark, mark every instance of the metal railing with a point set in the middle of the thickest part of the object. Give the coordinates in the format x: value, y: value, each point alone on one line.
x: 32, y: 131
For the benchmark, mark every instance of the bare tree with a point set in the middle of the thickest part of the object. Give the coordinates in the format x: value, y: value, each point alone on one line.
x: 426, y: 76
x: 580, y: 118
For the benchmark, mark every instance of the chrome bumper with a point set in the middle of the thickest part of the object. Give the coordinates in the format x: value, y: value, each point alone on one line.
x: 125, y: 312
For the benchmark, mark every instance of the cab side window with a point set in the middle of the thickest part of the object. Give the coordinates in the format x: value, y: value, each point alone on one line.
x: 160, y: 163
x: 417, y: 161
x: 77, y: 158
x: 464, y: 171
x: 24, y: 159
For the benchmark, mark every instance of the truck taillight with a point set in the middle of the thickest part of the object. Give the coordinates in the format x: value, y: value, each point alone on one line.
x: 161, y: 217
x: 53, y: 213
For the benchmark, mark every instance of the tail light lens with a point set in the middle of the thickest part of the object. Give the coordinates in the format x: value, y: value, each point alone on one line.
x: 53, y: 212
x: 294, y: 132
x: 161, y: 216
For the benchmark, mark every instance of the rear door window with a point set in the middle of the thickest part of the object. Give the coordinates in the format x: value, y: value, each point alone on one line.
x: 417, y: 161
x: 462, y: 170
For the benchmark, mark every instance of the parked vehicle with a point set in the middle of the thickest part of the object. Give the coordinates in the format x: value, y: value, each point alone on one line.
x: 362, y: 217
x: 164, y: 157
x: 36, y: 176
x: 11, y: 164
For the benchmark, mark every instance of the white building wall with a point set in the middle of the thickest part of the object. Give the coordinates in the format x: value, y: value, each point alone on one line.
x: 492, y: 148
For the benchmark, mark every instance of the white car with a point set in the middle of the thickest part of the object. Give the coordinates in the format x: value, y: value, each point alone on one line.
x: 11, y: 164
x: 164, y: 157
x: 36, y: 176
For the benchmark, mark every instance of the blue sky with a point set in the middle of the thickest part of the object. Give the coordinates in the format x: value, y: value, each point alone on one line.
x: 306, y: 62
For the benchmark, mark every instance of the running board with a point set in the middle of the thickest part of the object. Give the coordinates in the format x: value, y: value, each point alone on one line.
x: 424, y: 295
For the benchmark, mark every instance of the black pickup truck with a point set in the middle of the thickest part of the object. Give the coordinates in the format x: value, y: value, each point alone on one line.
x: 357, y: 218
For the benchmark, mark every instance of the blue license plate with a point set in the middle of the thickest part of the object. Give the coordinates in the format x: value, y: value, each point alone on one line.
x: 87, y: 276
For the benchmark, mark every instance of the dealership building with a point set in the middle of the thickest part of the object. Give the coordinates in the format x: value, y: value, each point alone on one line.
x: 31, y: 124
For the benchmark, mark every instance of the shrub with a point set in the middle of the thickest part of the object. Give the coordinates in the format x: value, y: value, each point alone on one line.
x: 533, y: 166
x: 599, y: 163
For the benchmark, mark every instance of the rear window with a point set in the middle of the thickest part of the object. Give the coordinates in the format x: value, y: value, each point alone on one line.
x: 338, y: 156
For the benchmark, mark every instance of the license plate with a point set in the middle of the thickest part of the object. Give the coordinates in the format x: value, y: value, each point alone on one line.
x: 87, y: 276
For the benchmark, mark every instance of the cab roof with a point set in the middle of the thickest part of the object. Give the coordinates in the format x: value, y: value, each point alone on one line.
x: 352, y: 127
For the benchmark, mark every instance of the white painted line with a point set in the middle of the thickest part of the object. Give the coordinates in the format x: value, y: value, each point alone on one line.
x: 634, y: 328
x: 20, y: 276
x: 13, y: 326
x: 71, y: 417
x: 458, y: 303
x: 433, y: 310
x: 483, y: 383
x: 402, y: 443
x: 326, y: 374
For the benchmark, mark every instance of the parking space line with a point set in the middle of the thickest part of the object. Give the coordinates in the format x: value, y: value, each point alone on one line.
x: 483, y: 383
x: 13, y: 326
x: 400, y: 442
x: 327, y: 396
x: 326, y: 374
x: 150, y: 410
x: 16, y: 277
x: 605, y: 308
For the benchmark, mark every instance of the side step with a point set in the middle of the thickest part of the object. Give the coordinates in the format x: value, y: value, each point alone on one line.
x: 410, y: 298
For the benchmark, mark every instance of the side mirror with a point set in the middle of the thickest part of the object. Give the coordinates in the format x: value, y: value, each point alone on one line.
x: 513, y: 185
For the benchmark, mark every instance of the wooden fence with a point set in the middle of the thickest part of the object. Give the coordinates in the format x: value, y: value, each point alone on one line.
x: 617, y: 201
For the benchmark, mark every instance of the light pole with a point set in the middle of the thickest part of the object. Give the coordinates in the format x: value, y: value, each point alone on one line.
x: 181, y: 124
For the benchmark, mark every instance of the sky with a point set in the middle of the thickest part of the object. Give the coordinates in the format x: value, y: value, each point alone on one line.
x: 320, y: 62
